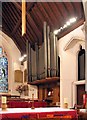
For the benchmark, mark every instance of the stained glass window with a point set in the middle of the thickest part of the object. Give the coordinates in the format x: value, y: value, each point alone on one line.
x: 3, y: 74
x: 0, y: 50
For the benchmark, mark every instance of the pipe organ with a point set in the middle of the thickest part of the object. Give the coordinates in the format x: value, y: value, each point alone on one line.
x: 45, y: 57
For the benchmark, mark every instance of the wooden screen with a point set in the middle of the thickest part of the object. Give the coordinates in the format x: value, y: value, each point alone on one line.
x: 80, y: 92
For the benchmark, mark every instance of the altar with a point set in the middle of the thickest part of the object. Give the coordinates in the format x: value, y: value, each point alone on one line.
x: 51, y: 113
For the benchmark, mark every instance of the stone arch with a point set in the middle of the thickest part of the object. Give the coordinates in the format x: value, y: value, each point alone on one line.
x: 72, y: 42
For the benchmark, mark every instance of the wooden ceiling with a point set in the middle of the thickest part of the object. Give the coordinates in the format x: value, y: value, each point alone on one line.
x: 54, y: 13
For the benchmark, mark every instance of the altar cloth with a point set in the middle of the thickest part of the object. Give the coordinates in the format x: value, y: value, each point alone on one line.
x: 37, y: 113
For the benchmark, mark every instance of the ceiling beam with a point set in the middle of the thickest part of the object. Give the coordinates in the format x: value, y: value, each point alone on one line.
x: 31, y: 21
x: 17, y: 18
x: 39, y: 14
x: 66, y: 31
x: 30, y: 6
x: 5, y: 26
x: 16, y: 27
x: 39, y: 24
x: 31, y: 33
x: 33, y: 28
x: 69, y: 8
x: 50, y: 13
x: 4, y: 17
x: 58, y: 10
x: 16, y: 11
x: 11, y: 36
x: 29, y: 39
x: 8, y: 11
x: 25, y: 36
x: 16, y: 43
x: 62, y: 9
x: 45, y: 15
x: 65, y: 9
x: 57, y: 13
x: 11, y: 12
x: 79, y: 8
x: 35, y: 17
x: 22, y: 46
x: 21, y: 37
x: 16, y: 21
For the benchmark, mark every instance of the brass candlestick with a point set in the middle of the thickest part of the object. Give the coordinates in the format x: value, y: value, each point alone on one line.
x: 3, y: 103
x: 65, y: 105
x: 4, y: 106
x: 32, y: 107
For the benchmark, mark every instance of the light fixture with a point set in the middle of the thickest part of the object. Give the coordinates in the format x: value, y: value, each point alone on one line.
x: 55, y: 32
x: 61, y: 28
x: 22, y: 58
x: 72, y: 20
x: 23, y: 17
x: 68, y: 23
x: 25, y: 55
x: 64, y: 26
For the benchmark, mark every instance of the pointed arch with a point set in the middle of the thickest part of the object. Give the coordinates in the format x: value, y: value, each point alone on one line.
x: 72, y: 42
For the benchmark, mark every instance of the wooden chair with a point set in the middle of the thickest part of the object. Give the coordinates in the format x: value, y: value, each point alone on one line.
x: 82, y: 116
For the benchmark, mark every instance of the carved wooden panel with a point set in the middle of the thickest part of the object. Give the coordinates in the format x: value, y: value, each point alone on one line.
x: 18, y: 76
x: 80, y: 92
x: 50, y: 93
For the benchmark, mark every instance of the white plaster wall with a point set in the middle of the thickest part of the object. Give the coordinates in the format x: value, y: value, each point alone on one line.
x: 68, y: 65
x: 13, y: 55
x: 25, y: 65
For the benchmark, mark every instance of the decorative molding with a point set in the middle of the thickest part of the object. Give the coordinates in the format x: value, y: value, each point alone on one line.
x: 72, y: 42
x: 81, y: 82
x: 45, y: 81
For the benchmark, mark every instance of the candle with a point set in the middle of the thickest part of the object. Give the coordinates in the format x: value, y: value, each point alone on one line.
x: 65, y: 100
x: 3, y: 99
